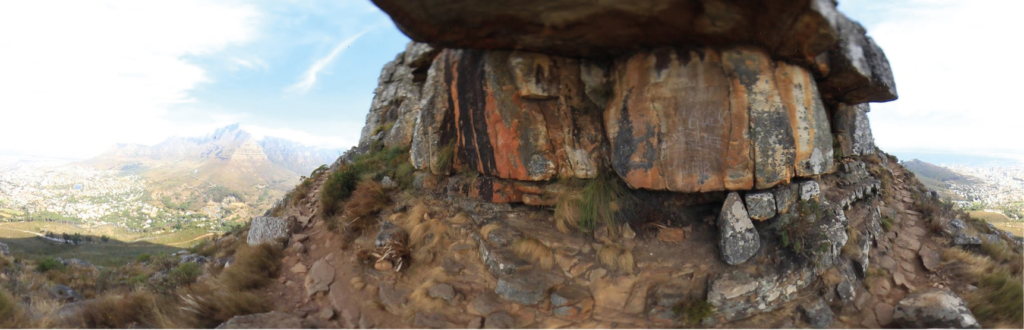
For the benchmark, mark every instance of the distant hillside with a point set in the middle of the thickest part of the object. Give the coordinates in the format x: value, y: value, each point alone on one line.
x: 936, y: 177
x: 227, y: 162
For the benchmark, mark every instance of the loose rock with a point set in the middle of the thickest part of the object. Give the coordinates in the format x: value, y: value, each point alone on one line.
x: 934, y: 308
x: 738, y: 241
x: 760, y: 205
x: 266, y: 230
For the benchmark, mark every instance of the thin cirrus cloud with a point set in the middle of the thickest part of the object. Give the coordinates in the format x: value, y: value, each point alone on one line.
x: 310, y: 76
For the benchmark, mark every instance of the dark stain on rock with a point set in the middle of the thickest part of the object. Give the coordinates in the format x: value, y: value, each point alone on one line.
x: 474, y: 146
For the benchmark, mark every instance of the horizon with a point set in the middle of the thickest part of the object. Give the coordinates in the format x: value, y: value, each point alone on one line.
x: 307, y: 72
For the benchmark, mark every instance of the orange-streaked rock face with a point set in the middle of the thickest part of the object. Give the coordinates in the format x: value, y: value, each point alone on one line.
x: 520, y: 116
x: 683, y: 120
x: 671, y: 126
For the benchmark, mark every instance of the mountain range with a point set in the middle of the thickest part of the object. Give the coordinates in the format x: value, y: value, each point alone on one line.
x: 229, y: 157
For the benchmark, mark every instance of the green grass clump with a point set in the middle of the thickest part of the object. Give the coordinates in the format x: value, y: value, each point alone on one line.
x: 339, y: 186
x: 49, y: 264
x: 587, y: 204
x: 186, y: 273
x: 693, y: 311
x: 887, y: 224
x: 445, y: 159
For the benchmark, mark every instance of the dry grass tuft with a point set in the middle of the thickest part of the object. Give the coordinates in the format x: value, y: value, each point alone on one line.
x: 208, y: 305
x: 358, y: 283
x: 366, y: 201
x: 617, y: 258
x: 11, y: 316
x: 535, y: 252
x: 132, y: 310
x: 253, y: 268
x: 567, y: 212
x: 488, y: 228
x: 461, y: 219
x: 413, y: 218
x: 427, y: 239
x: 850, y: 249
x: 998, y: 300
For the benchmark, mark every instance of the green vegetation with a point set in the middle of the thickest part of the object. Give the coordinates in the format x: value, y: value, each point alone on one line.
x: 186, y: 273
x: 49, y: 264
x: 794, y: 231
x: 391, y: 162
x: 887, y: 224
x: 383, y: 128
x: 693, y: 311
x: 445, y: 159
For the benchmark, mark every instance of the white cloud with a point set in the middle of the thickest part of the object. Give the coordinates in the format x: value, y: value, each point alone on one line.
x: 956, y: 71
x: 309, y: 77
x: 79, y: 75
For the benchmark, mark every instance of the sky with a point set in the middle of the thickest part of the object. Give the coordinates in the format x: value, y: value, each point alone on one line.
x: 78, y: 76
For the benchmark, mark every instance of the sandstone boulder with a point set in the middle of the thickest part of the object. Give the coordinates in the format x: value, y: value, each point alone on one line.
x: 671, y: 126
x: 760, y: 205
x: 859, y: 72
x: 266, y: 230
x: 798, y: 30
x: 853, y: 130
x: 737, y: 238
x: 934, y: 308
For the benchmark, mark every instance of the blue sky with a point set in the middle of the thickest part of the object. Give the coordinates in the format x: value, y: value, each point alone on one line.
x: 79, y: 76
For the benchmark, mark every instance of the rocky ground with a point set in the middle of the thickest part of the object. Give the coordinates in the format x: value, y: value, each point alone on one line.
x: 473, y: 277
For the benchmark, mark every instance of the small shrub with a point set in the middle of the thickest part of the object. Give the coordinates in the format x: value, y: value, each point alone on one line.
x: 253, y: 267
x: 301, y: 191
x: 49, y: 264
x: 383, y: 128
x: 186, y: 273
x: 117, y: 311
x: 338, y: 186
x: 887, y: 224
x: 693, y: 311
x: 367, y: 200
x: 144, y: 258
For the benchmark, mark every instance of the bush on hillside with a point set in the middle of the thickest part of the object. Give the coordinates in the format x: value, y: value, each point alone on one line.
x: 253, y: 268
x: 49, y: 264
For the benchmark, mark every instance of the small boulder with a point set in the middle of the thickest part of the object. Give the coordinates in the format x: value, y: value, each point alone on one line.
x: 818, y: 314
x: 572, y: 303
x: 499, y: 320
x: 934, y: 308
x: 760, y: 205
x: 441, y: 291
x: 930, y: 258
x: 388, y: 233
x: 846, y: 291
x: 485, y: 304
x: 963, y: 239
x: 387, y: 183
x: 266, y: 230
x: 65, y: 294
x: 4, y: 250
x: 738, y: 240
x: 809, y: 190
x: 431, y: 321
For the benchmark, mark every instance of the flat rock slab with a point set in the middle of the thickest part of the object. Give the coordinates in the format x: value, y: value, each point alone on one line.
x: 527, y: 287
x: 320, y: 277
x: 930, y: 258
